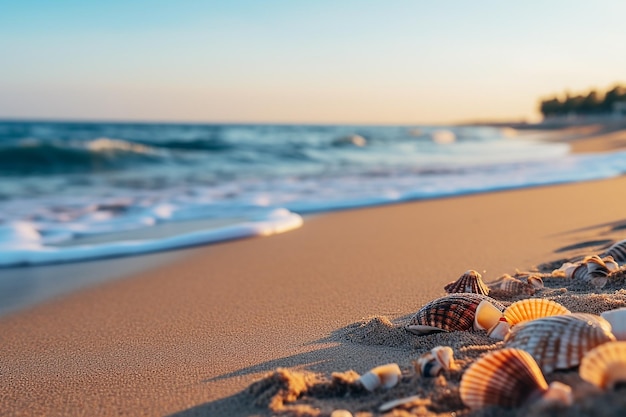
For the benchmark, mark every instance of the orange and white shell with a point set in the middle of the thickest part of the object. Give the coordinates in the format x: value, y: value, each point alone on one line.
x: 438, y: 359
x: 507, y: 378
x: 386, y: 376
x: 456, y: 312
x: 470, y: 281
x: 531, y: 309
x: 560, y: 342
x: 605, y: 365
x: 617, y: 251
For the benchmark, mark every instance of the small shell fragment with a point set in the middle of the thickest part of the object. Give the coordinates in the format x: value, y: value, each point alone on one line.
x: 386, y: 376
x: 470, y: 281
x: 560, y: 342
x: 617, y: 319
x: 341, y: 413
x: 605, y: 365
x: 456, y: 312
x: 508, y: 378
x: 531, y: 309
x: 412, y: 401
x: 437, y: 360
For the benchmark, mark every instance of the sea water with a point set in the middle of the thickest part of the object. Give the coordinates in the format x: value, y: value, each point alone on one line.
x: 75, y: 191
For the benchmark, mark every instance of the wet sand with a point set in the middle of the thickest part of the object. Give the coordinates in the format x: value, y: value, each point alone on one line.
x: 186, y: 338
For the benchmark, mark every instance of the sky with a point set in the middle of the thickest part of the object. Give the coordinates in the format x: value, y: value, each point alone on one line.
x: 290, y: 61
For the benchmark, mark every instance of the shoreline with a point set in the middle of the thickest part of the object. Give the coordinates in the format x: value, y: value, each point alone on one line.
x: 188, y: 332
x: 187, y: 337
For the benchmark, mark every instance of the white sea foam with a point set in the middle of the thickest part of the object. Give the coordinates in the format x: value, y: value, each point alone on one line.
x: 30, y: 251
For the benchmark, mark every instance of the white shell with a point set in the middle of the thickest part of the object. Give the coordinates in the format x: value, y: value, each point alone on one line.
x: 560, y: 342
x: 617, y: 318
x: 386, y: 376
x: 440, y: 358
x: 605, y: 365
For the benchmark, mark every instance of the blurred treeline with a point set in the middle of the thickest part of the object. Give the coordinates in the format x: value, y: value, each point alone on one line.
x: 591, y: 103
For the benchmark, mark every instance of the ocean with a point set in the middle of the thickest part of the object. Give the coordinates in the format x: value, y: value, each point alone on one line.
x: 76, y: 191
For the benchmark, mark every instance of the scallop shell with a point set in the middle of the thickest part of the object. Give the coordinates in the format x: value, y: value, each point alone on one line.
x: 508, y: 378
x: 560, y: 342
x: 592, y: 269
x: 456, y: 312
x: 617, y: 251
x: 438, y: 359
x: 617, y: 319
x: 512, y: 285
x: 470, y: 281
x: 605, y: 365
x: 531, y: 309
x: 386, y: 376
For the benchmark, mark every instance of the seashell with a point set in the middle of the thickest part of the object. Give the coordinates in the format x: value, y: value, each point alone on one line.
x: 456, y: 312
x: 535, y: 281
x: 412, y: 401
x: 617, y: 319
x: 531, y: 309
x: 610, y: 263
x: 617, y: 251
x: 605, y: 365
x: 592, y: 269
x: 341, y: 413
x: 500, y: 330
x: 508, y: 378
x: 512, y: 285
x: 470, y: 281
x: 440, y: 358
x: 559, y: 342
x: 386, y: 376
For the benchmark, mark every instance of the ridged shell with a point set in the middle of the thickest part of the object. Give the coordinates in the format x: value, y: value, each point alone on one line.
x: 592, y: 269
x: 605, y: 365
x: 471, y: 281
x: 560, y: 342
x: 454, y: 312
x: 531, y: 309
x: 535, y: 281
x: 617, y: 251
x: 507, y: 377
x: 512, y: 285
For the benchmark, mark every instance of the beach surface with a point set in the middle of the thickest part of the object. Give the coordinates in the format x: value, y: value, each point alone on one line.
x: 190, y: 336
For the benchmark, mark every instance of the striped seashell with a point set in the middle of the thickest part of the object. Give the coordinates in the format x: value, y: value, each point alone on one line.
x: 617, y: 319
x: 470, y: 281
x: 592, y: 269
x: 456, y: 312
x: 617, y: 251
x: 605, y: 365
x: 508, y: 378
x: 438, y: 359
x: 386, y: 376
x: 560, y: 342
x: 531, y: 309
x: 513, y: 285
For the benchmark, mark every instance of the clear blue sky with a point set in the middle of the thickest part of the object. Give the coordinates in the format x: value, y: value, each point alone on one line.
x: 402, y: 61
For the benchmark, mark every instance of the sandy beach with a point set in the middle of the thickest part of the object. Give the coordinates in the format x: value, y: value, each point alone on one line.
x: 190, y: 336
